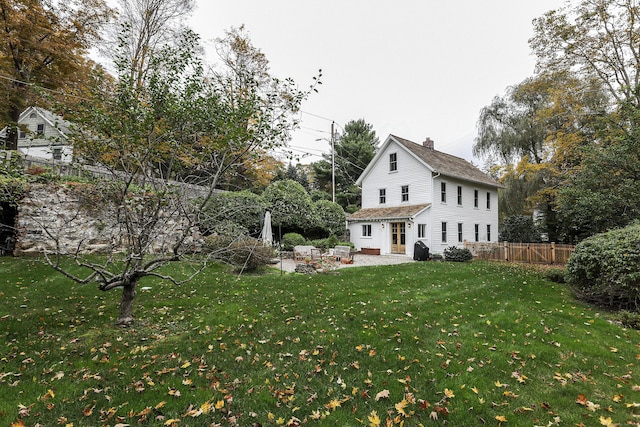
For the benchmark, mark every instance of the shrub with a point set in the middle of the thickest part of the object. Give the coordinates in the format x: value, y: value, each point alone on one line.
x: 556, y: 275
x: 629, y: 319
x: 290, y: 240
x: 456, y: 254
x: 324, y: 244
x: 244, y: 253
x: 605, y: 269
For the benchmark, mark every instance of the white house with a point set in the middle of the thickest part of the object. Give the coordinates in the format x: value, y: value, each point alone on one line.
x: 43, y: 134
x: 411, y: 192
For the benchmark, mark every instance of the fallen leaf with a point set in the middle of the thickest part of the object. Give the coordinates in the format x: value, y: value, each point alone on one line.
x: 384, y: 394
x: 374, y: 420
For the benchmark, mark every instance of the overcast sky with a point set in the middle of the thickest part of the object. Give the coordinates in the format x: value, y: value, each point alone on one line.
x: 413, y: 68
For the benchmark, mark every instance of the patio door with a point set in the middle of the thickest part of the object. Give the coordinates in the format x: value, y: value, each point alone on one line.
x: 398, y: 238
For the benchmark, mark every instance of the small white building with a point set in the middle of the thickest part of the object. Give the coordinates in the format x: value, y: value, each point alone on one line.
x: 411, y: 193
x: 43, y: 134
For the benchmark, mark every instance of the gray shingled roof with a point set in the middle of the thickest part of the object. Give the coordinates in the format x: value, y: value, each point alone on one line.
x: 446, y: 164
x: 396, y: 212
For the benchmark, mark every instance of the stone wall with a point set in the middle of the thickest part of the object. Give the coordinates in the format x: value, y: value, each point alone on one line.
x: 53, y: 218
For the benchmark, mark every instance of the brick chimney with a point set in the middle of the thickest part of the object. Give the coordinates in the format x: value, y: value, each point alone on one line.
x: 428, y: 143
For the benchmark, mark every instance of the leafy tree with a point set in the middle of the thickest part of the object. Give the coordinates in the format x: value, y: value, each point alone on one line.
x: 44, y: 45
x: 242, y: 208
x: 537, y: 133
x: 290, y: 206
x: 172, y: 121
x: 297, y: 174
x: 331, y: 217
x: 519, y: 228
x: 246, y: 78
x: 603, y: 194
x: 597, y: 42
x: 354, y: 149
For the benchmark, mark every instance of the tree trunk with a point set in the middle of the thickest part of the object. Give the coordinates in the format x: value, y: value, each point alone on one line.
x: 12, y: 134
x: 125, y: 317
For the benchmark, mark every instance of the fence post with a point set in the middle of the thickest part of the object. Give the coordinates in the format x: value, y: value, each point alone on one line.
x: 506, y: 251
x: 553, y: 253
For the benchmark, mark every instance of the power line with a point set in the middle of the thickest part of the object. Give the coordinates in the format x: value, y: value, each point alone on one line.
x: 11, y: 79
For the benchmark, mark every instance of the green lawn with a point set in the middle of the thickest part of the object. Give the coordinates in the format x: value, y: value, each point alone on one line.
x: 416, y: 344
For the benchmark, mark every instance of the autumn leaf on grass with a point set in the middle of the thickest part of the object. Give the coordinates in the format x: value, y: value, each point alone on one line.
x: 88, y: 410
x: 519, y: 377
x: 400, y: 407
x: 384, y: 394
x: 374, y: 419
x: 501, y: 418
x: 335, y: 403
x: 448, y: 393
x: 608, y: 422
x: 172, y: 422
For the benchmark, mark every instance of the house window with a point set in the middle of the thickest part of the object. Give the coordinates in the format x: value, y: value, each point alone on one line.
x: 366, y: 230
x: 393, y: 162
x: 405, y: 193
x: 477, y: 232
x: 488, y: 200
x: 57, y: 153
x: 40, y: 130
x: 488, y: 232
x: 475, y: 198
x: 383, y: 196
x: 422, y: 231
x: 459, y: 195
x: 443, y: 192
x: 23, y: 134
x: 32, y: 116
x: 444, y: 232
x: 459, y: 232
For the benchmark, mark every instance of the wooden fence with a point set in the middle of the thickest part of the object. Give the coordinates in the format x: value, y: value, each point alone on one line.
x: 530, y: 253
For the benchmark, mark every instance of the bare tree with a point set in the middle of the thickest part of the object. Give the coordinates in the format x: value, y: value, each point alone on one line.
x: 151, y: 24
x: 164, y: 140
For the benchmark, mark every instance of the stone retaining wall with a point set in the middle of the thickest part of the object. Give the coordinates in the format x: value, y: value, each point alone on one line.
x: 52, y: 218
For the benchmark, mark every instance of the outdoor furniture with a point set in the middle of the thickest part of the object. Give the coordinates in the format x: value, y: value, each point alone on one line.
x: 342, y: 253
x: 303, y: 253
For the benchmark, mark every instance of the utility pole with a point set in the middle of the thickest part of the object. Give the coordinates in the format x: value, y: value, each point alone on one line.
x: 333, y: 166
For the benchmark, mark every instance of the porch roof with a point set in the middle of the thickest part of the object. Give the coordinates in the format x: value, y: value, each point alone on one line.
x: 394, y: 212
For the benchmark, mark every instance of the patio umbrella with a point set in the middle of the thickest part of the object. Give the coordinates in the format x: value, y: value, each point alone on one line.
x: 267, y: 233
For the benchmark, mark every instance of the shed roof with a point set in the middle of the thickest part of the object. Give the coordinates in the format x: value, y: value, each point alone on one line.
x: 387, y: 213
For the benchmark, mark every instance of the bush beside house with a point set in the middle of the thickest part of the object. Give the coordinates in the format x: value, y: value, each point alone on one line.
x: 605, y: 269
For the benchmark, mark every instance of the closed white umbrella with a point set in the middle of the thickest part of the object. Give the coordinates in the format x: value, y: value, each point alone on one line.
x: 267, y: 232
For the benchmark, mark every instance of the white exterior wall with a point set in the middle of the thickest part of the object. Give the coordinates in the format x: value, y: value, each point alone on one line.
x: 466, y: 214
x: 424, y: 188
x: 42, y: 146
x: 46, y: 152
x: 410, y: 172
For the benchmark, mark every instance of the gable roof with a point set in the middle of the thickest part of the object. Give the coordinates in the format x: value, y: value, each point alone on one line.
x: 438, y: 162
x: 53, y: 121
x: 388, y: 213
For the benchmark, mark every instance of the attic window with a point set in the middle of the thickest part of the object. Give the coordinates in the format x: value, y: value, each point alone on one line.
x: 393, y: 162
x: 32, y: 116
